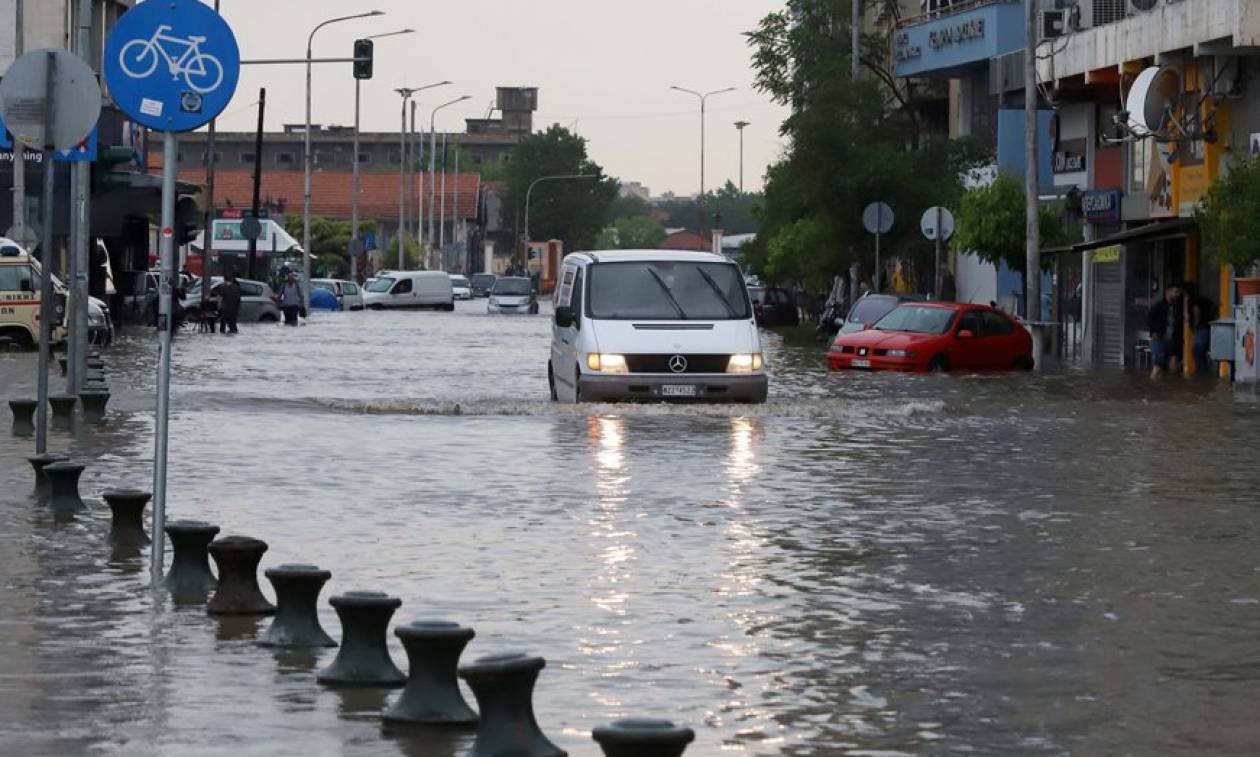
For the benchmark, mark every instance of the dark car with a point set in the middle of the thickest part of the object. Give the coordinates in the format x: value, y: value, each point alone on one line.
x: 872, y: 307
x: 482, y: 283
x: 774, y: 306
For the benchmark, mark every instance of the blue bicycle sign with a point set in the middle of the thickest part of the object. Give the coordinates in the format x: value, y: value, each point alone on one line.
x: 202, y: 72
x: 172, y: 65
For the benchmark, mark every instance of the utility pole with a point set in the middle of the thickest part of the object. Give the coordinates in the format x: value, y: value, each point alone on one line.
x: 406, y: 94
x: 442, y: 221
x: 741, y: 125
x: 19, y: 149
x: 411, y: 168
x: 80, y: 230
x: 207, y: 219
x: 251, y: 263
x: 1032, y: 261
x: 355, y: 244
x: 433, y: 156
x: 455, y: 227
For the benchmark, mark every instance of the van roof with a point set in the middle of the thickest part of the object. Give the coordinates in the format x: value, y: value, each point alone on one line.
x: 678, y: 256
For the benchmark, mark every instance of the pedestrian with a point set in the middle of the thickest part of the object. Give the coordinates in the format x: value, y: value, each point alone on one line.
x: 229, y: 303
x: 1201, y: 311
x: 1165, y: 324
x: 291, y: 299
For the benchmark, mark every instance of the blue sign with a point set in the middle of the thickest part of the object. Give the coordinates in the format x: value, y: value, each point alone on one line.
x: 84, y: 152
x: 369, y: 241
x: 1101, y: 205
x: 172, y: 65
x: 943, y: 46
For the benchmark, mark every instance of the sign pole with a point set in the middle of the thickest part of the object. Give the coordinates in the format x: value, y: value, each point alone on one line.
x: 47, y: 260
x: 879, y: 225
x: 165, y: 324
x: 936, y: 275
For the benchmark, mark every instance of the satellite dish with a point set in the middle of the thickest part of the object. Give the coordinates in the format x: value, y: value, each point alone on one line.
x: 1151, y: 98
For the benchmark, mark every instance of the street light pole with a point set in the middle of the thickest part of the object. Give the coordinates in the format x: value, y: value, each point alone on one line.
x: 406, y: 93
x: 529, y: 193
x: 433, y: 156
x: 741, y: 125
x: 306, y: 158
x: 704, y: 98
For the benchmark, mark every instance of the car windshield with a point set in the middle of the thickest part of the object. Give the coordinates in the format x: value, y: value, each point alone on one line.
x: 917, y: 319
x: 381, y: 285
x: 459, y: 281
x: 667, y: 290
x: 512, y: 287
x: 871, y: 309
x: 483, y: 279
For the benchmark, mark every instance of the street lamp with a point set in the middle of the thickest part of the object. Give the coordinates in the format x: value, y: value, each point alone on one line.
x: 355, y: 242
x: 306, y: 195
x: 433, y: 156
x: 406, y: 93
x: 703, y: 97
x: 530, y: 192
x: 741, y: 125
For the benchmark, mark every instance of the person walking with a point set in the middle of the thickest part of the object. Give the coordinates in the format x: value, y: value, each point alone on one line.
x: 1165, y: 323
x: 1201, y: 311
x: 290, y: 299
x: 229, y: 303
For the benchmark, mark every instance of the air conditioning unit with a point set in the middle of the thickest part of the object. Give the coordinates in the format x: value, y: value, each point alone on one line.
x: 1091, y: 13
x: 1141, y: 6
x: 1053, y: 23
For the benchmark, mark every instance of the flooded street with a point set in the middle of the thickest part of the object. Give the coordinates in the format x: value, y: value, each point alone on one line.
x: 867, y: 564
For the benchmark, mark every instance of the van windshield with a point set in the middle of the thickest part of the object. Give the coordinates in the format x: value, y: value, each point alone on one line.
x: 667, y: 290
x: 381, y: 285
x: 512, y: 287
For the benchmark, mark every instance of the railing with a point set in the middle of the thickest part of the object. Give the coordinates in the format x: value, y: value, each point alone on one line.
x: 945, y: 9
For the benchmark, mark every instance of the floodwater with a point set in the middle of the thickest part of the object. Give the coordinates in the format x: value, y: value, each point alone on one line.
x: 867, y: 564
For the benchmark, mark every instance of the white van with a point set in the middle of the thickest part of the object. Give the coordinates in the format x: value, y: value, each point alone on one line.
x: 410, y: 289
x: 654, y: 325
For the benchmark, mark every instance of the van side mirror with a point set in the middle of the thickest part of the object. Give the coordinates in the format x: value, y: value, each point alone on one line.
x: 25, y: 286
x: 965, y: 334
x: 564, y: 316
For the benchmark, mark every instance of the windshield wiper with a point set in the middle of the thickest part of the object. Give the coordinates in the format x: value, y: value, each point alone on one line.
x: 730, y: 309
x: 668, y: 293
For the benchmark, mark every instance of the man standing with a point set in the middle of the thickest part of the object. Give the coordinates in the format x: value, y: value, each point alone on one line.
x: 229, y: 303
x: 1165, y: 322
x: 290, y: 299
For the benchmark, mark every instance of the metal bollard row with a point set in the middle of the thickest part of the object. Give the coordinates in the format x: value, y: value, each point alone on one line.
x: 431, y: 696
x: 190, y: 579
x: 363, y: 659
x: 297, y: 616
x: 63, y: 481
x: 23, y: 416
x: 126, y: 508
x: 237, y: 591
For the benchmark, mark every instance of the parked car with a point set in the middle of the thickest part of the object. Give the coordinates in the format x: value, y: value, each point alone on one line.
x: 512, y: 294
x: 349, y: 295
x: 654, y: 325
x: 257, y: 303
x: 461, y: 287
x: 871, y: 307
x: 777, y: 308
x: 20, y: 303
x: 100, y: 323
x: 481, y: 284
x: 410, y: 289
x: 936, y: 336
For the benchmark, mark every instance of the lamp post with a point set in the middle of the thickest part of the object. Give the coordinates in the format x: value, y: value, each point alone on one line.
x: 433, y: 155
x: 355, y: 243
x: 406, y: 93
x: 529, y: 193
x: 703, y: 97
x: 306, y: 159
x: 419, y: 148
x: 741, y: 125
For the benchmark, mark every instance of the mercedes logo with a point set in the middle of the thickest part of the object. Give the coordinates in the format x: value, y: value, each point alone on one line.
x: 678, y: 364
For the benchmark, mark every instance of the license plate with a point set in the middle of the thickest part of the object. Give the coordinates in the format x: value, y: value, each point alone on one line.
x: 678, y: 390
x: 861, y: 364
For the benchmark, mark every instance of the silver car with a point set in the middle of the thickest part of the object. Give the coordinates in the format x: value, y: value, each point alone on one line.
x: 257, y: 304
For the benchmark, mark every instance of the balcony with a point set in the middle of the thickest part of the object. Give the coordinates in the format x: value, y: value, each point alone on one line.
x: 948, y: 39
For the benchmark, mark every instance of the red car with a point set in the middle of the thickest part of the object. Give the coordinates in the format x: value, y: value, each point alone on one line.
x: 936, y: 336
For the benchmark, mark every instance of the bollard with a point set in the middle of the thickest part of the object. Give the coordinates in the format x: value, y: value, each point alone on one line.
x: 42, y: 487
x: 297, y: 616
x: 94, y: 401
x: 432, y: 694
x: 504, y: 687
x: 62, y: 410
x: 97, y: 363
x: 61, y: 361
x: 127, y: 524
x: 237, y: 558
x: 190, y: 579
x: 23, y: 416
x: 363, y: 659
x: 643, y: 737
x: 63, y: 482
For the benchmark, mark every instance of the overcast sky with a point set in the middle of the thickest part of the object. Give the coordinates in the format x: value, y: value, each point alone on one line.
x: 603, y: 68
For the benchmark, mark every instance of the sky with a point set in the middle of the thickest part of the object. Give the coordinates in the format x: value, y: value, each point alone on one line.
x: 603, y: 69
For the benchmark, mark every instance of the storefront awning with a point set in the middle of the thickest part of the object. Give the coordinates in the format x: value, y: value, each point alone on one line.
x: 1151, y: 232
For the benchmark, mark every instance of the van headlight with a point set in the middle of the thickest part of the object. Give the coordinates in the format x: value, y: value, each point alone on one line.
x: 748, y: 362
x: 605, y: 363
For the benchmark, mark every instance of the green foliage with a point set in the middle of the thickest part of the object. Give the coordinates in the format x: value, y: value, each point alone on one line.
x: 734, y: 211
x: 636, y: 233
x: 411, y: 255
x: 330, y: 242
x: 570, y: 210
x: 628, y: 206
x: 1229, y: 216
x: 992, y: 222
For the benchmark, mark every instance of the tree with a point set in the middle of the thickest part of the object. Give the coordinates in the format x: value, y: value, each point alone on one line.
x: 638, y: 233
x: 330, y: 242
x: 1229, y: 216
x: 991, y: 222
x: 570, y: 210
x: 737, y: 210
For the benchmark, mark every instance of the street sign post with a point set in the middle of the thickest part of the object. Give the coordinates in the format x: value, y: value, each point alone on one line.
x: 172, y: 66
x: 51, y: 101
x: 937, y: 224
x: 877, y: 218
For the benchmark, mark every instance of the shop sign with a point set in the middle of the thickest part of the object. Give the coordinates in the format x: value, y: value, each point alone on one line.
x: 1069, y: 155
x: 903, y: 49
x: 1101, y: 205
x: 1108, y: 254
x: 958, y: 33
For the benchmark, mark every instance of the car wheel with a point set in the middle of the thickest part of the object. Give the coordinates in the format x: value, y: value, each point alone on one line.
x: 939, y: 364
x: 268, y: 318
x: 1024, y: 363
x: 551, y: 382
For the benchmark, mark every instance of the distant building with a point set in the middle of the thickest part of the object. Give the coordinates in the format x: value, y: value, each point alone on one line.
x: 685, y: 239
x: 635, y: 189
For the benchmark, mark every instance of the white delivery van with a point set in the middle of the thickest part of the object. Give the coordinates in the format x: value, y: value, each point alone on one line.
x: 410, y: 289
x: 654, y: 325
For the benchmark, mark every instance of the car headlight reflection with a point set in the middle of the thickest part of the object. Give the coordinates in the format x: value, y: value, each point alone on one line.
x: 605, y: 363
x: 745, y: 363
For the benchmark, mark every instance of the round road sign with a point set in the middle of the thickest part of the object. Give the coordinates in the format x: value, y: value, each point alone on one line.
x: 172, y: 65
x: 877, y: 218
x: 251, y: 228
x: 928, y: 223
x: 24, y: 99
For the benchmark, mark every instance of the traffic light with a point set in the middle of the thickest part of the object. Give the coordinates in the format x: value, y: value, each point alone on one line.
x: 363, y: 58
x: 104, y: 177
x: 187, y: 220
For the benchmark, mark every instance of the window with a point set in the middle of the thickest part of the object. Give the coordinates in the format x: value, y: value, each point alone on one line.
x: 248, y: 158
x: 251, y: 290
x: 668, y: 290
x: 996, y: 324
x: 575, y: 301
x: 917, y: 319
x: 285, y: 159
x: 403, y: 287
x: 319, y: 158
x: 349, y: 288
x: 218, y: 157
x: 971, y: 322
x: 13, y: 276
x: 382, y: 284
x: 365, y: 157
x: 393, y: 157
